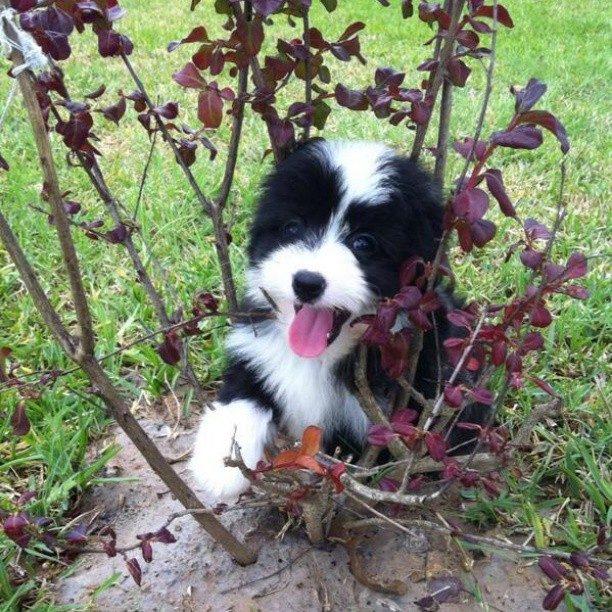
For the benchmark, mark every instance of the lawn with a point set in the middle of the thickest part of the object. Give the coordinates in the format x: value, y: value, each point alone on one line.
x: 563, y: 492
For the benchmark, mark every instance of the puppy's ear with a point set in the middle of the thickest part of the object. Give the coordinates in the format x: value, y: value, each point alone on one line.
x: 297, y: 145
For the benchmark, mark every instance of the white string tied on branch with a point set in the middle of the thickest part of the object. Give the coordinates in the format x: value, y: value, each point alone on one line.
x: 12, y: 37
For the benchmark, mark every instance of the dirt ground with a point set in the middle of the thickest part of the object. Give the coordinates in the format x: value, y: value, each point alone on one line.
x: 196, y: 574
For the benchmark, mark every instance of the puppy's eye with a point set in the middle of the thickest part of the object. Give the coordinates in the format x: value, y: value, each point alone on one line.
x: 293, y: 229
x: 362, y: 244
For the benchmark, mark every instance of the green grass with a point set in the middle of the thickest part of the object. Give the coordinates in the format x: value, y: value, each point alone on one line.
x: 564, y: 491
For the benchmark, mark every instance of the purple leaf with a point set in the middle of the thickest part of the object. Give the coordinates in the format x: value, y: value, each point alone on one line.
x: 528, y: 97
x: 350, y: 98
x: 436, y: 445
x: 552, y: 568
x: 464, y: 148
x: 483, y: 396
x: 112, y: 44
x: 471, y: 204
x: 170, y: 349
x: 170, y: 110
x: 76, y: 130
x: 579, y: 559
x: 388, y: 484
x: 14, y: 528
x: 453, y: 396
x: 536, y: 230
x: 116, y: 111
x: 267, y: 7
x: 164, y: 536
x: 482, y: 231
x: 19, y: 420
x: 554, y: 597
x: 380, y: 435
x: 147, y: 551
x: 117, y: 235
x: 532, y: 259
x: 78, y: 535
x: 550, y: 122
x: 577, y: 266
x: 495, y: 184
x: 388, y: 77
x: 408, y: 297
x: 521, y: 137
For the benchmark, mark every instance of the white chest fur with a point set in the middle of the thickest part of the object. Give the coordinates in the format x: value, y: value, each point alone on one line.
x: 307, y: 390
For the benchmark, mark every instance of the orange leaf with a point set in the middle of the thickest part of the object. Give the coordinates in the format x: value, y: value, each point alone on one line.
x: 286, y: 458
x: 311, y: 440
x: 309, y: 463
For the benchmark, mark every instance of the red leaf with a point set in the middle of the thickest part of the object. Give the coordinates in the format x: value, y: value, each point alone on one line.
x: 458, y: 72
x: 468, y: 39
x: 436, y: 445
x: 164, y: 536
x: 198, y: 34
x: 408, y: 297
x: 189, y: 76
x: 498, y: 353
x: 550, y: 122
x: 210, y: 108
x: 540, y: 316
x: 14, y: 527
x: 335, y: 473
x: 19, y: 420
x: 352, y: 30
x: 495, y: 184
x: 503, y: 16
x: 543, y: 385
x: 134, y: 568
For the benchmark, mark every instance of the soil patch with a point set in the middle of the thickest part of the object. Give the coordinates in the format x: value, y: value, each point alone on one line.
x: 196, y: 574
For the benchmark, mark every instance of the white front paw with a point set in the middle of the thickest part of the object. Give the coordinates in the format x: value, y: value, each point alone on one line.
x: 242, y: 421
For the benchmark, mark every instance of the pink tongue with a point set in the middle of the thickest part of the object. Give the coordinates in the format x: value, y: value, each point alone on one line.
x: 309, y: 330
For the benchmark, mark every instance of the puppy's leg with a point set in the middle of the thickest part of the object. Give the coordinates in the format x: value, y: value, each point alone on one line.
x: 246, y: 421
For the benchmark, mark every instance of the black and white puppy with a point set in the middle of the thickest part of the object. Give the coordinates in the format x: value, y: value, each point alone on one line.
x: 334, y: 224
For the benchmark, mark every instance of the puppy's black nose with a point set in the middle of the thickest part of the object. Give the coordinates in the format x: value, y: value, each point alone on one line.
x: 308, y: 286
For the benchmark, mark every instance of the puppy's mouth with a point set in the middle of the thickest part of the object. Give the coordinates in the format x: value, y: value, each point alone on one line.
x: 314, y: 329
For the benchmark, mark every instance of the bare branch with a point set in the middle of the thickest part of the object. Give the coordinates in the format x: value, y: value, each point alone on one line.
x: 369, y: 404
x: 438, y: 76
x: 71, y: 262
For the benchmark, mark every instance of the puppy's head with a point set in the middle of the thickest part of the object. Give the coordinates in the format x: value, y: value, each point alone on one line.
x: 334, y: 224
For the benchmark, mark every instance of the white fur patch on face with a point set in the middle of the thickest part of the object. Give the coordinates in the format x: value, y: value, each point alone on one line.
x: 346, y: 286
x: 359, y: 164
x: 242, y: 420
